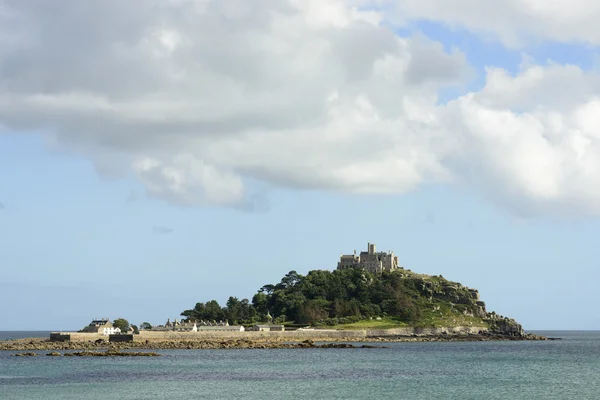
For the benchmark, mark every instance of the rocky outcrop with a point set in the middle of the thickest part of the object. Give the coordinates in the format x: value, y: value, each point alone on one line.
x: 438, y: 289
x: 504, y: 325
x: 409, y: 331
x: 28, y: 354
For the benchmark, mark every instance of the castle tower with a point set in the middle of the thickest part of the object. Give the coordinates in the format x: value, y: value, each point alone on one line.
x: 371, y: 248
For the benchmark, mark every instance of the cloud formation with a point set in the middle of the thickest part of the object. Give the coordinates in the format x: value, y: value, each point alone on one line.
x: 533, y: 140
x: 514, y: 22
x: 201, y: 99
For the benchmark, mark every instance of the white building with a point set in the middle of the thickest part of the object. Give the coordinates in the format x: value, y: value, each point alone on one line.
x: 102, y: 326
x: 197, y: 326
x: 269, y: 328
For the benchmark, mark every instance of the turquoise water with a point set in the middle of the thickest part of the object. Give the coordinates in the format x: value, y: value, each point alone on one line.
x: 566, y: 369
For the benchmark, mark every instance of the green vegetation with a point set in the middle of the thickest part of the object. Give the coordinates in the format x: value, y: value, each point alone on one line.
x: 122, y: 324
x: 381, y: 323
x: 353, y: 299
x: 236, y: 311
x: 145, y: 326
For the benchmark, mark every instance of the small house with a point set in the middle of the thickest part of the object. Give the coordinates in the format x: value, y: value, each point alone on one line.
x: 268, y: 328
x: 102, y: 326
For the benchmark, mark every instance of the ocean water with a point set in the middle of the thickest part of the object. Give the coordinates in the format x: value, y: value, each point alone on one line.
x: 10, y: 335
x: 565, y: 369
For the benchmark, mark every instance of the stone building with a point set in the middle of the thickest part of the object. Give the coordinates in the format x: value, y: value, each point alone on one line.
x: 370, y: 260
x: 195, y: 326
x: 102, y: 326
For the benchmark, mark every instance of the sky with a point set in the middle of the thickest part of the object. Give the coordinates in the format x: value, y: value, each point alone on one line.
x: 155, y: 154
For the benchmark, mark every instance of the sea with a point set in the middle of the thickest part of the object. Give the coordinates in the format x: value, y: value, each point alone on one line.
x: 562, y: 369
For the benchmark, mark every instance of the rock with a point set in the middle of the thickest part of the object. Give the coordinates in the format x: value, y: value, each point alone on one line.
x: 306, y: 344
x: 505, y: 326
x: 28, y: 354
x: 54, y: 354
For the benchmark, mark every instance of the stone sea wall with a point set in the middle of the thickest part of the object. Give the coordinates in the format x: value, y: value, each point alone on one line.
x: 317, y: 334
x: 76, y: 336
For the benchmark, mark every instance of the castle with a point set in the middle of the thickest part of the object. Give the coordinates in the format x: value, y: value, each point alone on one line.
x: 369, y: 260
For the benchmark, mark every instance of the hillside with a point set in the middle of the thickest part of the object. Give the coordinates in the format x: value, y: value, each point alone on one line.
x: 356, y: 299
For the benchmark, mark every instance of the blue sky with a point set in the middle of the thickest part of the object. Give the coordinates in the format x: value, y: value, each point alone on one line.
x: 171, y: 229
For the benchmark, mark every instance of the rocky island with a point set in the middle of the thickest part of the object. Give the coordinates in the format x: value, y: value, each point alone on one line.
x: 368, y: 291
x: 368, y: 298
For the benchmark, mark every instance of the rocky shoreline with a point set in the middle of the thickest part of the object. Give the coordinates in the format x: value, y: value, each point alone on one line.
x: 43, y: 344
x: 115, y: 351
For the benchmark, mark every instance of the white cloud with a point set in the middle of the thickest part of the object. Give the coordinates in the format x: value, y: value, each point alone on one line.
x: 532, y: 140
x: 514, y: 22
x: 187, y: 180
x: 199, y: 97
x: 197, y: 94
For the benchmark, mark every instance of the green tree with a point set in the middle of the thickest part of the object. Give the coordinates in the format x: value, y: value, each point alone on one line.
x: 290, y: 280
x: 122, y: 324
x: 197, y: 313
x: 313, y: 311
x: 234, y: 311
x: 145, y: 326
x: 260, y: 303
x: 213, y: 311
x: 248, y: 312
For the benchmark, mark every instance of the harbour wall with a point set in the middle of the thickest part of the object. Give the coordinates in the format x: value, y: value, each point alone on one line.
x: 75, y: 337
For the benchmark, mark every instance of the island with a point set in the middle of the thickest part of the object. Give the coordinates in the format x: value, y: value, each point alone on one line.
x: 369, y: 297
